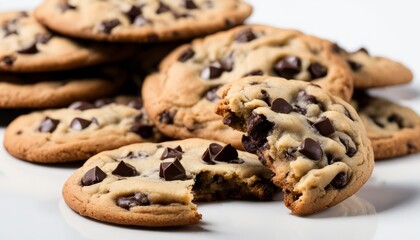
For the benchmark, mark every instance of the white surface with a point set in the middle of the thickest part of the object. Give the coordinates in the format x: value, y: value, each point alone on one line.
x: 388, y: 207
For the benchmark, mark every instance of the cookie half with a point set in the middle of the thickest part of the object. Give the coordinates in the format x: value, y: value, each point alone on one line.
x: 145, y: 21
x: 314, y: 142
x: 394, y: 130
x: 58, y: 89
x: 27, y: 46
x: 154, y: 185
x: 181, y: 98
x: 79, y: 131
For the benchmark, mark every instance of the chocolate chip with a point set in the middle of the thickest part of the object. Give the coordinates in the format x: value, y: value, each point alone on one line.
x: 125, y: 170
x: 8, y: 60
x: 187, y: 54
x: 64, y: 6
x: 280, y: 105
x: 140, y: 21
x: 172, y: 171
x: 311, y: 149
x: 189, y: 4
x: 107, y: 25
x: 144, y: 130
x: 245, y: 35
x: 364, y: 50
x: 396, y: 119
x: 265, y: 97
x: 290, y: 153
x: 48, y: 125
x: 214, y: 70
x: 94, y: 175
x: 258, y: 129
x: 248, y: 144
x: 163, y: 8
x: 339, y: 181
x: 80, y: 105
x: 132, y: 155
x: 254, y: 73
x: 332, y: 159
x: 336, y: 48
x: 43, y: 38
x: 79, y: 124
x: 354, y: 65
x: 166, y: 117
x: 288, y: 67
x: 211, y: 152
x: 299, y: 109
x: 317, y: 70
x: 134, y: 12
x: 227, y: 62
x: 347, y: 113
x: 227, y: 154
x: 29, y: 49
x: 172, y: 153
x: 377, y: 122
x: 350, y: 151
x: 138, y: 199
x: 136, y: 103
x: 307, y: 98
x: 324, y: 126
x: 181, y: 15
x: 103, y: 102
x: 211, y: 94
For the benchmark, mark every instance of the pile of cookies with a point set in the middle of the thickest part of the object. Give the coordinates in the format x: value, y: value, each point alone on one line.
x: 258, y: 109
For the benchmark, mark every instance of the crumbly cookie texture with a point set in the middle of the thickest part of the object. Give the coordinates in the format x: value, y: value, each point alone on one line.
x: 374, y: 71
x: 394, y: 130
x: 27, y: 46
x: 154, y: 185
x: 144, y: 21
x: 314, y: 142
x: 59, y: 89
x: 79, y: 131
x: 199, y: 69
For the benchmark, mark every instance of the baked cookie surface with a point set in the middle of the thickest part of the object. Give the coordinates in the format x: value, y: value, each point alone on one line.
x: 314, y: 142
x: 155, y: 185
x: 27, y: 46
x: 80, y: 131
x: 141, y: 21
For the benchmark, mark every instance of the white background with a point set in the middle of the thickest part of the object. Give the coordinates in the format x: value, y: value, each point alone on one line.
x: 387, y: 207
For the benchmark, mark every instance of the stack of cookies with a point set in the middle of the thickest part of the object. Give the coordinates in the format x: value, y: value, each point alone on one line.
x: 252, y: 109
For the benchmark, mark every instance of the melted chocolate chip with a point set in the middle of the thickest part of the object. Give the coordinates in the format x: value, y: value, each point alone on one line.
x: 103, y: 102
x: 107, y: 25
x: 317, y: 70
x: 29, y: 49
x: 138, y: 199
x: 80, y: 105
x: 93, y: 176
x: 125, y: 170
x: 280, y: 105
x: 8, y: 60
x: 307, y: 98
x: 246, y: 35
x: 163, y: 8
x: 254, y: 73
x: 186, y: 55
x: 172, y: 153
x: 311, y: 149
x: 48, y: 125
x: 79, y: 124
x: 339, y: 181
x: 265, y: 97
x: 136, y: 103
x: 290, y: 153
x: 288, y: 67
x: 189, y: 4
x: 350, y: 151
x: 214, y: 70
x: 396, y: 119
x: 166, y: 117
x: 258, y: 129
x: 324, y: 126
x: 354, y: 65
x: 172, y: 171
x: 43, y: 38
x: 211, y: 94
x: 64, y: 6
x: 134, y: 12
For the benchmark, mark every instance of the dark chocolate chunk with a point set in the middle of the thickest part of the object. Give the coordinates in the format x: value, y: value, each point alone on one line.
x: 227, y: 62
x: 125, y: 170
x: 166, y: 117
x: 265, y: 97
x: 354, y: 65
x: 8, y: 60
x: 29, y: 49
x: 172, y: 153
x: 248, y: 144
x: 48, y: 125
x: 211, y: 94
x: 80, y: 105
x: 307, y: 98
x: 103, y: 102
x: 290, y: 153
x: 280, y: 105
x: 214, y: 70
x: 138, y: 199
x: 350, y: 151
x: 136, y: 103
x: 144, y: 130
x: 187, y: 54
x: 396, y: 119
x: 299, y: 109
x: 246, y: 35
x: 332, y: 159
x: 317, y: 70
x: 64, y: 6
x: 324, y: 126
x: 107, y: 25
x: 189, y: 4
x: 227, y: 154
x: 172, y: 171
x: 163, y: 8
x: 311, y: 149
x: 134, y: 12
x: 254, y: 73
x: 258, y: 129
x: 211, y: 152
x: 43, y: 38
x: 288, y: 67
x: 79, y: 124
x: 339, y: 181
x: 94, y: 175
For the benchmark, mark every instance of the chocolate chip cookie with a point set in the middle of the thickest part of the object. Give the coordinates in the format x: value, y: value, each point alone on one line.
x: 314, y: 142
x: 155, y: 185
x: 394, y: 130
x: 79, y: 131
x: 181, y: 98
x: 58, y: 89
x: 141, y: 21
x: 27, y: 46
x: 374, y: 71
